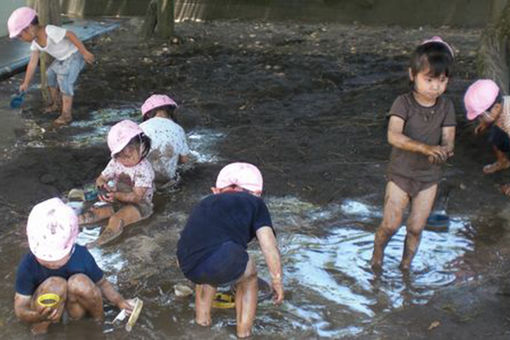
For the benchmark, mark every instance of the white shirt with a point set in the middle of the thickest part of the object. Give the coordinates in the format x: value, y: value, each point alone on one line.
x: 57, y: 45
x: 168, y: 142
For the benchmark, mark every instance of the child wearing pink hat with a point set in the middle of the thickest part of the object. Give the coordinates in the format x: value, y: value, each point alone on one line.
x: 69, y: 52
x: 127, y: 182
x: 484, y: 101
x: 421, y: 131
x: 212, y: 248
x: 169, y: 146
x: 59, y: 270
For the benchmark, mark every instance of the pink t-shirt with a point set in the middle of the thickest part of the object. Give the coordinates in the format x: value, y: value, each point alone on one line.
x: 138, y: 176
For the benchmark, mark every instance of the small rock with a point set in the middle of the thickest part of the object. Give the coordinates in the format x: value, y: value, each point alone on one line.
x: 182, y: 290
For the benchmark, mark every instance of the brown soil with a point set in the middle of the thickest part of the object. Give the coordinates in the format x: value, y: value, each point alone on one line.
x: 307, y: 104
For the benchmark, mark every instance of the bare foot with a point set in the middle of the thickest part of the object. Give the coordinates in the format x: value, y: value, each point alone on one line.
x: 110, y: 234
x: 496, y: 166
x: 40, y: 327
x: 51, y: 108
x: 62, y: 120
x: 505, y: 189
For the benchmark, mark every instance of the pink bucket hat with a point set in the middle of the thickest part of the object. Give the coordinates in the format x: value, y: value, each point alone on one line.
x: 244, y: 175
x: 52, y: 229
x: 441, y: 41
x: 157, y: 100
x: 120, y: 134
x: 19, y: 20
x: 479, y: 97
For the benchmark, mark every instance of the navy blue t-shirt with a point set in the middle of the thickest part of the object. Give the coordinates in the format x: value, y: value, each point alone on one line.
x: 31, y: 273
x: 232, y: 216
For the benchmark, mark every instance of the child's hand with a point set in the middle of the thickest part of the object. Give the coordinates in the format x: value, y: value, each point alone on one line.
x: 88, y: 57
x: 107, y: 196
x: 48, y: 313
x: 437, y: 152
x: 23, y: 87
x: 480, y: 128
x: 128, y: 305
x: 438, y: 160
x: 278, y: 291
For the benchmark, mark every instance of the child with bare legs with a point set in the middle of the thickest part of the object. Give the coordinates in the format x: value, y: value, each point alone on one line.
x: 69, y: 52
x: 422, y: 132
x: 58, y: 274
x: 212, y: 248
x: 126, y: 183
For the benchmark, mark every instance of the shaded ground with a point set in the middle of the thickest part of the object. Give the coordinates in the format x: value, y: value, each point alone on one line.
x: 307, y: 104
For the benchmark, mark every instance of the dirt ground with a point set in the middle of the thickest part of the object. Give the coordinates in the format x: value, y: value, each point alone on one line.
x: 307, y: 104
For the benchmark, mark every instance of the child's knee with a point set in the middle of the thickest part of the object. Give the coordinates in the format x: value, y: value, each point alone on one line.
x: 80, y: 284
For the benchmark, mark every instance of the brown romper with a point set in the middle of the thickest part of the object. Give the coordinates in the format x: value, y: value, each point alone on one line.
x: 411, y: 171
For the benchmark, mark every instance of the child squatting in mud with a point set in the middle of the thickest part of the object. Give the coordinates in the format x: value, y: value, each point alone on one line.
x: 126, y: 182
x: 484, y: 101
x: 69, y: 52
x: 212, y: 248
x: 59, y: 270
x: 422, y: 132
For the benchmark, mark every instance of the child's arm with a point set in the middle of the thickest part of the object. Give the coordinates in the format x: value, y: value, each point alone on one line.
x: 397, y: 139
x: 25, y: 313
x: 101, y: 181
x: 89, y: 57
x: 113, y: 296
x: 269, y: 247
x: 134, y: 196
x: 32, y: 66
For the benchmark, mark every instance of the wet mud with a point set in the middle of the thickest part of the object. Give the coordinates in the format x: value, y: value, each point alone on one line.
x: 307, y: 104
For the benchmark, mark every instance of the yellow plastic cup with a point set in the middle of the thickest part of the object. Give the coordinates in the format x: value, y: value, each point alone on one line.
x: 48, y: 300
x: 224, y: 301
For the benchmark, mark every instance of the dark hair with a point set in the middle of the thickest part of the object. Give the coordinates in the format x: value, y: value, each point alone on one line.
x: 35, y: 21
x: 498, y: 100
x: 140, y: 139
x: 434, y: 56
x: 169, y: 109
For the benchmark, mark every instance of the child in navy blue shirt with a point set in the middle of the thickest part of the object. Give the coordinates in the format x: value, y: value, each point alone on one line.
x: 212, y: 248
x: 59, y: 270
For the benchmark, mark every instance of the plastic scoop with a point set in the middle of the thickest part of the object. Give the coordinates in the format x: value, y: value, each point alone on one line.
x: 17, y: 100
x: 135, y: 314
x: 48, y: 300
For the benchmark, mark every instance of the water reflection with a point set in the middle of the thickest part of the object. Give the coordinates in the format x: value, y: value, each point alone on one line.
x: 331, y: 271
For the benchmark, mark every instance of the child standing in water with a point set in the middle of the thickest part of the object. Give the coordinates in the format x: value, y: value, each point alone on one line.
x: 69, y: 52
x: 169, y: 146
x: 127, y: 182
x: 422, y: 132
x: 59, y: 270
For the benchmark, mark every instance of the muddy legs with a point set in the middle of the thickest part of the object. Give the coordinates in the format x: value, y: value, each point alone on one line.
x: 395, y: 202
x: 246, y: 300
x: 53, y: 285
x: 84, y: 297
x: 204, y: 296
x: 420, y: 210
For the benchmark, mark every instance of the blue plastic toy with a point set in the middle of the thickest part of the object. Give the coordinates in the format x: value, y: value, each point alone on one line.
x: 17, y: 100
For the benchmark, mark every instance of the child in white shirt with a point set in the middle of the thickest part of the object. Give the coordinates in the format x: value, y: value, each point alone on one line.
x: 69, y: 52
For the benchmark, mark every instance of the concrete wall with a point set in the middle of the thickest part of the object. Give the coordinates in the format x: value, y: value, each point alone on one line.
x: 6, y: 8
x: 470, y: 13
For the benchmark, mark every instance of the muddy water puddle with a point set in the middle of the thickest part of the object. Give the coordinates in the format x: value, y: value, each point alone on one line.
x: 330, y: 289
x: 331, y: 292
